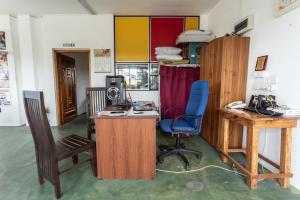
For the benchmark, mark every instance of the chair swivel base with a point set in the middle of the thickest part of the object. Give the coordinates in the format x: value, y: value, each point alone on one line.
x: 178, y: 150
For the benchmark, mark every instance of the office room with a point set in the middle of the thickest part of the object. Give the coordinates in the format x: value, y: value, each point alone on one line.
x: 137, y: 99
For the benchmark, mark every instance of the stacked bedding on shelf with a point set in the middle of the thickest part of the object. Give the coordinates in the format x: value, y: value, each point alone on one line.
x: 195, y: 36
x: 168, y: 53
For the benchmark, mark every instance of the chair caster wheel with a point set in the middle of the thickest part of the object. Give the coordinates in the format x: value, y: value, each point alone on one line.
x: 182, y: 145
x: 198, y: 157
x: 159, y: 160
x: 164, y: 148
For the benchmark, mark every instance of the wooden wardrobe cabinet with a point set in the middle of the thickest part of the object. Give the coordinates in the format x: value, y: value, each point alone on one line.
x: 224, y: 64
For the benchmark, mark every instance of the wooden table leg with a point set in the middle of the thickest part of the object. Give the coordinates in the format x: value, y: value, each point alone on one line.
x: 252, y: 155
x: 224, y: 140
x: 285, y: 155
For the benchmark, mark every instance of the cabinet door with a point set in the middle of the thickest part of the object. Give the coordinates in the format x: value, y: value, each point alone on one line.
x: 191, y: 23
x: 132, y: 39
x: 164, y: 32
x: 234, y: 79
x: 211, y: 71
x: 224, y: 64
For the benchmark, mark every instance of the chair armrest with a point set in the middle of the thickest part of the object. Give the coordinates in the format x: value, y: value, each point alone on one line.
x: 198, y: 118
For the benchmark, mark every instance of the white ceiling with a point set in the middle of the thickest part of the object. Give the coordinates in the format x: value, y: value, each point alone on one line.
x: 117, y: 7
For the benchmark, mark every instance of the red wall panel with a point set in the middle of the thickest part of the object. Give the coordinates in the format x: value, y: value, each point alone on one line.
x: 164, y: 32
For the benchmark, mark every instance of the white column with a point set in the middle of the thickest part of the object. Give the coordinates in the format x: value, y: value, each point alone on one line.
x: 26, y: 53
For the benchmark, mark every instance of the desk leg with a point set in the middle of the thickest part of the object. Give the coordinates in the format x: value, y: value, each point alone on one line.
x: 224, y: 138
x: 252, y: 155
x: 285, y: 155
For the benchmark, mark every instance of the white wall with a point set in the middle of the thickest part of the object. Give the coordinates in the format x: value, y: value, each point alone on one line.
x: 10, y: 115
x: 223, y: 16
x: 34, y: 41
x: 26, y: 53
x: 145, y: 96
x: 278, y: 38
x: 87, y: 32
x: 17, y: 59
x: 203, y: 23
x: 81, y: 79
x: 38, y: 49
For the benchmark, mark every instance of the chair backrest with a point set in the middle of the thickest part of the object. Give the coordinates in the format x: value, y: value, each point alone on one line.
x: 197, y: 101
x: 95, y: 100
x: 38, y: 122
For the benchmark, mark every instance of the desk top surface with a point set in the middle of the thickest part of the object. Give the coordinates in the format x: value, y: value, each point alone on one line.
x: 255, y: 116
x: 130, y: 114
x: 125, y: 117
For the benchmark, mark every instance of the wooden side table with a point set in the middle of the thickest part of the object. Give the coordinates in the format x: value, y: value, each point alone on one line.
x: 254, y: 122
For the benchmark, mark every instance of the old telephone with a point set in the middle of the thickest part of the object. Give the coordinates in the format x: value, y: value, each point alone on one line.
x: 236, y: 105
x: 263, y: 104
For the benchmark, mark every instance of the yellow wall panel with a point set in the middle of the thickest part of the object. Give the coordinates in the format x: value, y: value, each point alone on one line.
x: 132, y: 39
x: 191, y: 23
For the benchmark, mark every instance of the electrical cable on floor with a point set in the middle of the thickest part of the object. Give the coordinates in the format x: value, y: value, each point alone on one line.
x: 203, y: 168
x: 200, y: 169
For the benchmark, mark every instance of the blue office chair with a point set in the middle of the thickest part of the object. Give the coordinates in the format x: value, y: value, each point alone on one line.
x: 188, y: 124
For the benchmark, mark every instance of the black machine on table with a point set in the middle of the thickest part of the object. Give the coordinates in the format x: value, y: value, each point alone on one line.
x: 263, y: 104
x: 116, y: 92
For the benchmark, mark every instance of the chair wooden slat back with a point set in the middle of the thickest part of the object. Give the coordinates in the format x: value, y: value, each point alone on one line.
x: 41, y: 132
x: 38, y: 122
x: 96, y: 100
x: 48, y: 153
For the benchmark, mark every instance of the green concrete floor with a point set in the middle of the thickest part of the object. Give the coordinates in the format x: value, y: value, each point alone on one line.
x: 18, y: 175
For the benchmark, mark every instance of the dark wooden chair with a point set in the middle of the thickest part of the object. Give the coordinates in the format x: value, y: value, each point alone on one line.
x: 48, y: 152
x: 95, y: 101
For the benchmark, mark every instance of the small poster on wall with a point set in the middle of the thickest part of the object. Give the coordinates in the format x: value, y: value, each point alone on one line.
x: 2, y: 41
x: 102, y: 60
x: 4, y: 80
x: 5, y: 97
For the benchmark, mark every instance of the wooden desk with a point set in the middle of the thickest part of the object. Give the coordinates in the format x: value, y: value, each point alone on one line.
x: 254, y: 122
x: 126, y: 147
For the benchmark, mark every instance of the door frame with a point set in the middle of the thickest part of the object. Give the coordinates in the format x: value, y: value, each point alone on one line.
x: 56, y: 75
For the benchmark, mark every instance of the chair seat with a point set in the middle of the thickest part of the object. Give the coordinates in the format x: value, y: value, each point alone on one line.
x: 179, y: 125
x: 72, y: 145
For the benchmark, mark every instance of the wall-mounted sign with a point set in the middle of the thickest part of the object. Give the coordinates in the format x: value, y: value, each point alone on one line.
x: 68, y: 44
x: 102, y: 60
x: 2, y: 41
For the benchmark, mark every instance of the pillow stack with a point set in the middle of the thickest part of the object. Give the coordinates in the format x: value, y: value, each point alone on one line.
x: 168, y: 53
x: 194, y: 36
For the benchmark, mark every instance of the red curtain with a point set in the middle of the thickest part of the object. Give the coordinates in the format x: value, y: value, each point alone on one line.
x: 175, y: 85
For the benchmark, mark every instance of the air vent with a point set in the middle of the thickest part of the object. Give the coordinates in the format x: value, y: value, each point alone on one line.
x: 244, y: 25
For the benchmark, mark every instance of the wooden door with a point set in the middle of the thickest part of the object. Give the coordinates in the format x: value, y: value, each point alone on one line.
x: 210, y: 70
x: 67, y: 88
x: 224, y: 64
x: 234, y: 80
